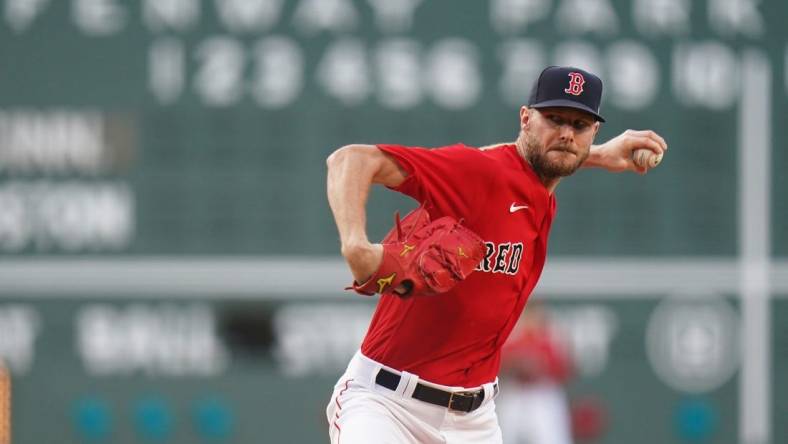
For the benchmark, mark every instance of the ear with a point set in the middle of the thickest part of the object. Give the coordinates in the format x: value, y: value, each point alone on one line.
x: 524, y: 116
x: 597, y: 124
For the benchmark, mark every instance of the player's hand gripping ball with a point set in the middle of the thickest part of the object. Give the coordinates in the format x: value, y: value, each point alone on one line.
x: 645, y: 158
x: 424, y: 257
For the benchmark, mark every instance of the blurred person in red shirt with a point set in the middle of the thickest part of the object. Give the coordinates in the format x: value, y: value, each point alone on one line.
x: 533, y: 406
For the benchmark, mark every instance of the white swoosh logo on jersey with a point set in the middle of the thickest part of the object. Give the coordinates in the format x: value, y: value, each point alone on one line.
x: 514, y: 207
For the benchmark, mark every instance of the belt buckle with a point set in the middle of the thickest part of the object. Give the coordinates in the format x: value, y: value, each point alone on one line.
x: 473, y: 397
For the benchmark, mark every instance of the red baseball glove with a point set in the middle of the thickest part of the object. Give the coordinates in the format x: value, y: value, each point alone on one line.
x: 424, y: 257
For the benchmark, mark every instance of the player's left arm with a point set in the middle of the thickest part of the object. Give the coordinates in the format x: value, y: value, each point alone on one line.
x: 615, y: 155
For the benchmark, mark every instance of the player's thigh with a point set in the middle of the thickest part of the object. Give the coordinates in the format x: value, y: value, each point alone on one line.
x: 359, y: 415
x: 362, y: 419
x: 369, y: 427
x: 480, y: 426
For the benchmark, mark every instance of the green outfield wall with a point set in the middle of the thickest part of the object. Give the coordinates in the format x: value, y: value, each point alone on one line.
x: 153, y: 137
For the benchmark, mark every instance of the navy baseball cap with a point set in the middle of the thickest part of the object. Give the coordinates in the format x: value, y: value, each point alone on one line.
x: 567, y: 87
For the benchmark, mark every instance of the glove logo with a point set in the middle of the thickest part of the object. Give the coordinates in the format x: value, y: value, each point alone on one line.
x: 384, y: 282
x: 423, y: 257
x: 406, y: 249
x: 576, y: 82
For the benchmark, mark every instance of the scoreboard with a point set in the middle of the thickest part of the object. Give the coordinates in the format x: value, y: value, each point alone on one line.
x: 201, y: 127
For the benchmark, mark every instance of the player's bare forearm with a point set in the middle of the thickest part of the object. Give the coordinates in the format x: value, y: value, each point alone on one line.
x: 347, y: 187
x: 351, y: 171
x: 615, y: 155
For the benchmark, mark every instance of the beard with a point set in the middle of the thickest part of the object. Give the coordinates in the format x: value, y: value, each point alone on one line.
x: 546, y: 168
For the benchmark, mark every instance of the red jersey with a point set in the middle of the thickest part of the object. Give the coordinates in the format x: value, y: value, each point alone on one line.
x: 455, y: 338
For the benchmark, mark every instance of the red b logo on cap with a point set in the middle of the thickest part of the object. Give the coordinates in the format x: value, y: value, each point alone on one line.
x: 576, y: 82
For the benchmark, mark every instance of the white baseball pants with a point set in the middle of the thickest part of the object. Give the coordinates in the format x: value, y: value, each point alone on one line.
x: 362, y: 412
x: 536, y: 413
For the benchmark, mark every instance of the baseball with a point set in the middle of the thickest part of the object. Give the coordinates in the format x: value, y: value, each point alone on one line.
x: 646, y: 158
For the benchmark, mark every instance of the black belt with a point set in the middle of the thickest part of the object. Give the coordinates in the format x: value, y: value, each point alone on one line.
x: 460, y: 401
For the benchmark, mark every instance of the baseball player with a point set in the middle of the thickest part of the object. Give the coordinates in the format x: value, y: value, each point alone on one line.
x: 535, y: 366
x: 455, y: 274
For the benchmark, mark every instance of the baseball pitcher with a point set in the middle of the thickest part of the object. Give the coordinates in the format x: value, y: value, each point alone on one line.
x: 455, y: 274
